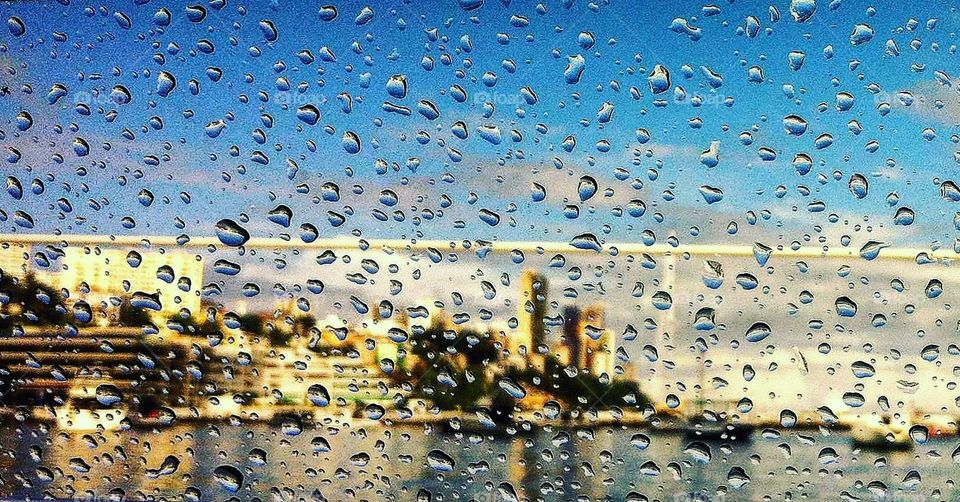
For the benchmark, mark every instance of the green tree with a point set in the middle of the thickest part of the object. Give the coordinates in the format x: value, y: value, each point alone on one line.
x: 128, y: 315
x: 27, y: 301
x: 278, y: 337
x: 304, y: 323
x: 192, y: 327
x: 455, y: 355
x: 252, y: 323
x: 581, y: 390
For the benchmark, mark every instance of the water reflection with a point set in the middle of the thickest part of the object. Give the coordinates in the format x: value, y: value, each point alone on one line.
x: 390, y: 463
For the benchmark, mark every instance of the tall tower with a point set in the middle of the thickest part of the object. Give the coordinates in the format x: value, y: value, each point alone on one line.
x: 597, y: 352
x: 532, y: 309
x: 109, y: 272
x: 572, y: 334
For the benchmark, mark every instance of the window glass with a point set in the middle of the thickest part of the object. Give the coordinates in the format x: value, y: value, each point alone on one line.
x: 479, y: 250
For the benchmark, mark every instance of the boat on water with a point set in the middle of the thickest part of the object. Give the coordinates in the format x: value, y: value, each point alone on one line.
x: 89, y: 415
x: 718, y: 423
x: 719, y: 430
x: 881, y: 433
x: 471, y: 425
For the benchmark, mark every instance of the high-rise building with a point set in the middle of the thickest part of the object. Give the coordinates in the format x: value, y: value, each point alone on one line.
x: 531, y: 331
x: 597, y: 347
x: 175, y: 275
x: 15, y: 260
x: 572, y: 342
x: 97, y: 274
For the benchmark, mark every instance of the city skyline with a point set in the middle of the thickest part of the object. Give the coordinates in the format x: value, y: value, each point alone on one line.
x: 641, y: 354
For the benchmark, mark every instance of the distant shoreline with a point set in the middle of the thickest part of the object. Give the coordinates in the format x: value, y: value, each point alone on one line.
x: 464, y: 422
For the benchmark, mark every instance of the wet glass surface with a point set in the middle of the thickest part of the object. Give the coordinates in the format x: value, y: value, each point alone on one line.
x: 479, y: 250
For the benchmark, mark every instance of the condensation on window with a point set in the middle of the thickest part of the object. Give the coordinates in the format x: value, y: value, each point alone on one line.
x: 479, y: 250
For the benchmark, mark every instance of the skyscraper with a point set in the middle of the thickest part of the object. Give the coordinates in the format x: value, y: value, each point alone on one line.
x: 531, y: 311
x: 572, y: 341
x: 596, y: 342
x: 96, y: 274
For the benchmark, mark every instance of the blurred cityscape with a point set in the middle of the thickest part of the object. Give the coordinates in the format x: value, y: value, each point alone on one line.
x: 99, y: 336
x: 107, y: 322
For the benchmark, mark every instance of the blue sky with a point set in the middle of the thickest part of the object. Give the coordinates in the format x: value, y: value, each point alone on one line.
x: 629, y: 41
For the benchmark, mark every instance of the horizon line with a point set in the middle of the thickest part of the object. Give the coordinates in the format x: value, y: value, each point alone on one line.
x: 353, y: 243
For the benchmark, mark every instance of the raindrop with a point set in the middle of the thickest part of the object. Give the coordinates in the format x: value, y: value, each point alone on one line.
x: 231, y: 234
x: 757, y: 332
x: 439, y: 461
x: 845, y: 307
x: 858, y: 186
x: 229, y: 478
x: 16, y: 26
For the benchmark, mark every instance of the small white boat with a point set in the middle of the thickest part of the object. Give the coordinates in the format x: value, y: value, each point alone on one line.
x: 76, y: 416
x: 881, y: 432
